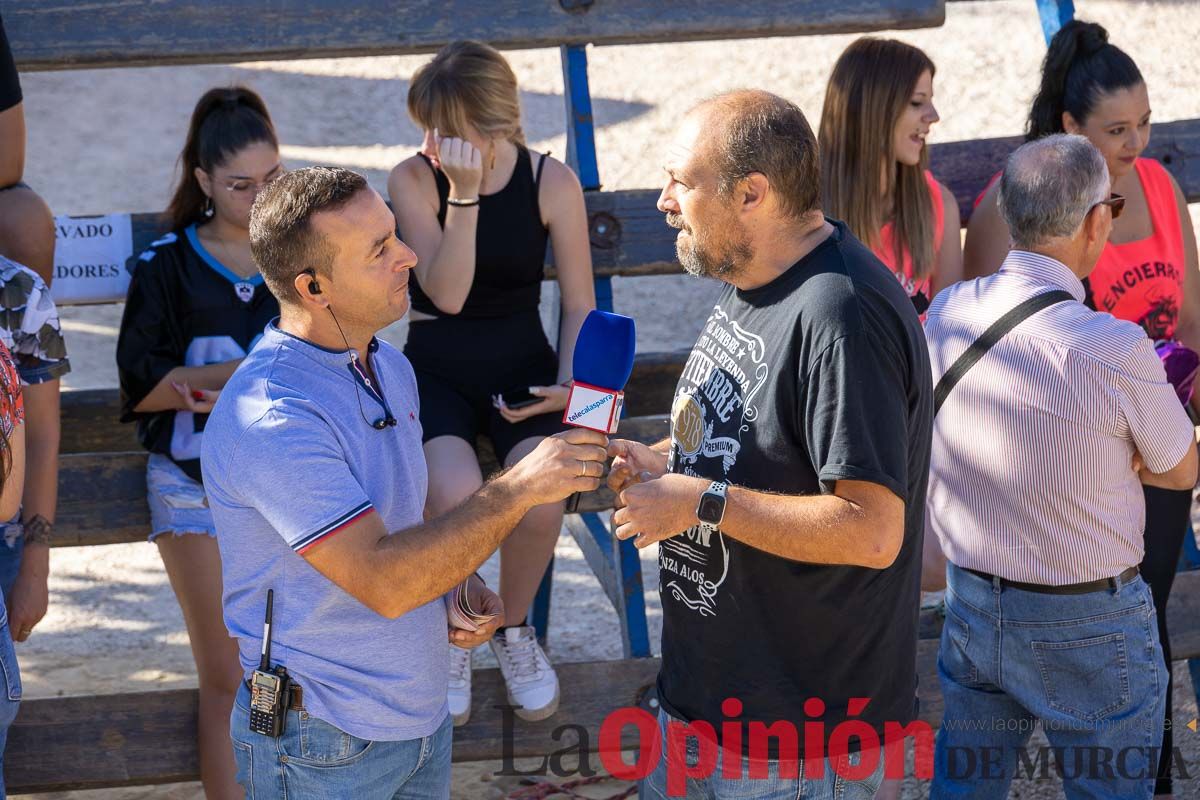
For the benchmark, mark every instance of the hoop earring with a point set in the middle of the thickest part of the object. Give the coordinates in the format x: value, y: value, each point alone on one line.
x: 208, y: 207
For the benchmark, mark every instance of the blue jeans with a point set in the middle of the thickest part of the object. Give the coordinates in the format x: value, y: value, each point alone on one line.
x: 772, y: 787
x: 313, y: 759
x: 1088, y: 667
x: 10, y: 675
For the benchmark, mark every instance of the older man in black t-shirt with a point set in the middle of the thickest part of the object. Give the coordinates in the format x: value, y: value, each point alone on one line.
x: 788, y: 503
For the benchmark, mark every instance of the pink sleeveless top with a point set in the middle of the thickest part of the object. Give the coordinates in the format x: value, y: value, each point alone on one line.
x: 886, y: 251
x: 1142, y: 281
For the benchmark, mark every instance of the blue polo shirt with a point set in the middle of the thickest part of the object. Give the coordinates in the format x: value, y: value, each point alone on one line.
x: 289, y: 461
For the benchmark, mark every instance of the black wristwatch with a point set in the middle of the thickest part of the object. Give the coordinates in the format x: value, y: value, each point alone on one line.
x: 711, y: 508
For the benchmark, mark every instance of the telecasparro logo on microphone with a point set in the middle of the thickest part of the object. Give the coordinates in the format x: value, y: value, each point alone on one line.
x: 592, y: 407
x: 603, y: 401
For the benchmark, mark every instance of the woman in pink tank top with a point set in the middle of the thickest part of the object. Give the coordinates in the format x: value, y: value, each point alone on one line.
x: 1147, y: 273
x: 875, y: 177
x: 874, y: 164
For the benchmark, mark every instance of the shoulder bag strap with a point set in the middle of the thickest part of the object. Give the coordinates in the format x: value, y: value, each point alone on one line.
x: 997, y: 331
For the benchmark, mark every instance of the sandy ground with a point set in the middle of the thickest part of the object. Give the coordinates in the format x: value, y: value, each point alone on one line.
x: 104, y: 141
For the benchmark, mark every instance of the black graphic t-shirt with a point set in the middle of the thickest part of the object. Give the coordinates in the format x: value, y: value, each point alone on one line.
x: 184, y: 309
x: 819, y: 376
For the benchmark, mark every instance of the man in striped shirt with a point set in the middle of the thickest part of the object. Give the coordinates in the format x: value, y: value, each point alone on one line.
x: 1039, y: 452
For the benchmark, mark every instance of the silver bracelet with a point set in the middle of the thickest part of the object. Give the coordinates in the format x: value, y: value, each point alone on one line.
x: 461, y: 203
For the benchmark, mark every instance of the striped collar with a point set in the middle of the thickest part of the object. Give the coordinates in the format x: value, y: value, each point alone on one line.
x: 1044, y: 270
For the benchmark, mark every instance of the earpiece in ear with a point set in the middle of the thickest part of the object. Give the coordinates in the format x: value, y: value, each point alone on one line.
x: 313, y: 286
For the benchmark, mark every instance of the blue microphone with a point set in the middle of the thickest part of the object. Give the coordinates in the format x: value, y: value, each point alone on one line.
x: 602, y: 365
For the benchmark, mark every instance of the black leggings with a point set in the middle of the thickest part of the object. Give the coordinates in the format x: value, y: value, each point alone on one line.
x: 1167, y: 514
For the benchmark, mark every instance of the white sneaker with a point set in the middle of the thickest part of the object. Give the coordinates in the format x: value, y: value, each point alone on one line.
x: 531, y: 682
x: 459, y: 696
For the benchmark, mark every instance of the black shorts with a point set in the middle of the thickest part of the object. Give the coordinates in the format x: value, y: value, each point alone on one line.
x: 461, y: 363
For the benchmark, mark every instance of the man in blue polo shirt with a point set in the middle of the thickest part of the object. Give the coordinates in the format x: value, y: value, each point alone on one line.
x: 312, y: 459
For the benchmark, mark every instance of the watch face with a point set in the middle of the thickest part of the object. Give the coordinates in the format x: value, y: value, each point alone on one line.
x: 711, y: 509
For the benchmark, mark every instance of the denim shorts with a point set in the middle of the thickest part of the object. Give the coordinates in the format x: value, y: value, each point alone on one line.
x: 178, y: 504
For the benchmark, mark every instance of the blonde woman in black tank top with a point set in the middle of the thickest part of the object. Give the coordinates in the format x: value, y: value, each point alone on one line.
x: 479, y: 209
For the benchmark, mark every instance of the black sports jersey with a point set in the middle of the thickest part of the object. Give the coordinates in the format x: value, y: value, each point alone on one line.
x: 184, y: 308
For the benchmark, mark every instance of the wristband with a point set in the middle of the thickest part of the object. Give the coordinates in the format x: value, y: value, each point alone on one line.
x: 37, y: 530
x: 461, y: 203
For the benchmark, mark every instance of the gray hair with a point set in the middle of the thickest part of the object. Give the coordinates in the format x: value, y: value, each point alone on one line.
x: 1048, y: 187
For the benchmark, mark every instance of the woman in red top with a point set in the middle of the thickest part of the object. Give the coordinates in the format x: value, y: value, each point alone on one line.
x: 1147, y: 272
x: 875, y: 177
x: 874, y: 164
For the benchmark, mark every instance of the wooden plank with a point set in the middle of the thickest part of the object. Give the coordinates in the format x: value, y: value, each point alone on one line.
x: 70, y: 743
x: 123, y: 33
x: 90, y: 423
x: 629, y: 236
x: 966, y: 167
x: 102, y: 496
x: 108, y: 740
x: 90, y: 416
x: 628, y: 233
x: 101, y: 499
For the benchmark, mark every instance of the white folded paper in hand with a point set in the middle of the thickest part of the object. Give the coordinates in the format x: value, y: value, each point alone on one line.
x: 460, y: 613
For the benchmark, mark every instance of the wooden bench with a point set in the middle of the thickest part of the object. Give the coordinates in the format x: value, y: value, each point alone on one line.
x: 149, y: 737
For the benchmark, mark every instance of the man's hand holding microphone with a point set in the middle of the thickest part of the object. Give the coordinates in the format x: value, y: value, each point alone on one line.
x: 561, y: 465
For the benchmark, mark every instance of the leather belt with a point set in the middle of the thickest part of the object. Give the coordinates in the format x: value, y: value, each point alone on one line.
x: 296, y: 699
x: 1104, y: 584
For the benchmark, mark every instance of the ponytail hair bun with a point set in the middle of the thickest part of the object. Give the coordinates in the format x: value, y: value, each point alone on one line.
x: 1081, y: 66
x: 225, y: 121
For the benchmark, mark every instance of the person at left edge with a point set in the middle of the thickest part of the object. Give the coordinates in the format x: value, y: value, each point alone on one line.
x: 312, y: 460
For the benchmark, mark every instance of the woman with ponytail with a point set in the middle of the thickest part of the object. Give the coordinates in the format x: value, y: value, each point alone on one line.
x: 196, y: 306
x: 1147, y: 273
x: 875, y: 166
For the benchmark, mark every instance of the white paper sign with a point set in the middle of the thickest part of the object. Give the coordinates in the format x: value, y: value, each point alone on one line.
x: 89, y: 259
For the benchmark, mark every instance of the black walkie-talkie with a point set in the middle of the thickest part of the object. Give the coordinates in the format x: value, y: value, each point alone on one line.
x: 270, y: 689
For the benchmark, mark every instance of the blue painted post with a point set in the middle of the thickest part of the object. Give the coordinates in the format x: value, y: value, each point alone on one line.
x: 1054, y: 14
x: 581, y: 138
x: 581, y: 153
x: 581, y: 156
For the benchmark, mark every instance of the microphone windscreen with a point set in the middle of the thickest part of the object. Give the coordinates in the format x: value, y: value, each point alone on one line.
x: 604, y: 350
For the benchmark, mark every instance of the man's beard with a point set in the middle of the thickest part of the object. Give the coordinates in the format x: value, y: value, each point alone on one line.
x: 700, y: 258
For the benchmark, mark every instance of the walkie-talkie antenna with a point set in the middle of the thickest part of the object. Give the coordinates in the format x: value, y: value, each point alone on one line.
x: 265, y: 664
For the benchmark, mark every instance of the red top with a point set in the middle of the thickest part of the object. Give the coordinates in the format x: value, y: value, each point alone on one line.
x: 1142, y: 281
x: 12, y: 402
x: 886, y: 251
